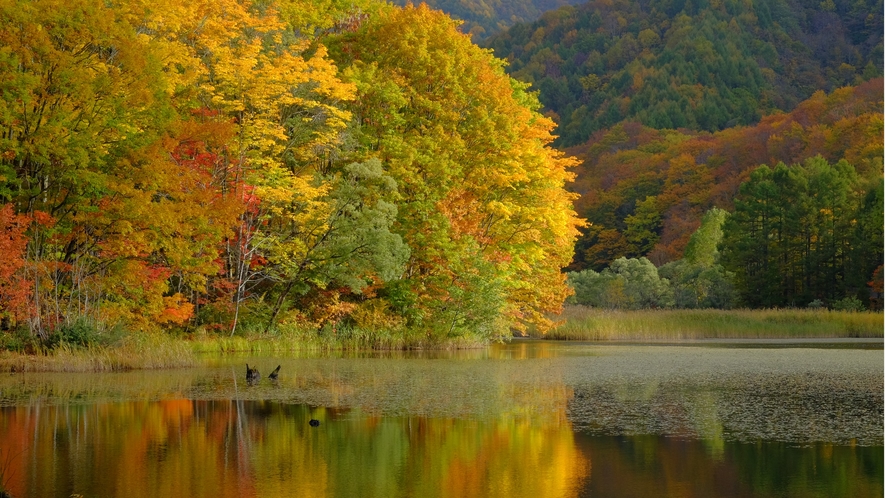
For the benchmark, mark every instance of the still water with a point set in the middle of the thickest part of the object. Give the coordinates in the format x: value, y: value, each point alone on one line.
x: 525, y: 419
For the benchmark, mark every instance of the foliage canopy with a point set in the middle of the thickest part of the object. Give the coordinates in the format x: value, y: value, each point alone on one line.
x: 216, y: 164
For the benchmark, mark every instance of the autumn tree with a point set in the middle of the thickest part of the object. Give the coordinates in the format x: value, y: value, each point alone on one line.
x: 259, y: 69
x: 13, y: 286
x: 172, y: 165
x: 481, y: 202
x: 81, y: 95
x: 142, y: 129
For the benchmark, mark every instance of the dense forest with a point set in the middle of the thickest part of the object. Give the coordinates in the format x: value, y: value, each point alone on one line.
x: 695, y: 64
x: 808, y: 233
x: 233, y: 165
x: 643, y: 191
x: 671, y: 106
x: 482, y: 18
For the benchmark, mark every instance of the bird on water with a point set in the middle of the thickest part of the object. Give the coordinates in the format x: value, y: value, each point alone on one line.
x: 314, y: 422
x: 252, y: 375
x: 275, y: 374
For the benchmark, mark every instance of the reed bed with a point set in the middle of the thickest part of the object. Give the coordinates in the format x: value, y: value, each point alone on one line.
x: 591, y: 324
x: 134, y: 352
x: 138, y: 351
x: 157, y: 350
x: 312, y: 340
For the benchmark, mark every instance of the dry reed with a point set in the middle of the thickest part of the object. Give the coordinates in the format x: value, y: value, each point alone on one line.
x: 591, y: 324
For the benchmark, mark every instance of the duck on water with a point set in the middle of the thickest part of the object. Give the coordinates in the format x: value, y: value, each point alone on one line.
x: 253, y: 376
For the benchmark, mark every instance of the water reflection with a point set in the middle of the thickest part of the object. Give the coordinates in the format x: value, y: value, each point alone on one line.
x: 250, y: 448
x: 268, y: 449
x: 523, y: 419
x: 658, y: 466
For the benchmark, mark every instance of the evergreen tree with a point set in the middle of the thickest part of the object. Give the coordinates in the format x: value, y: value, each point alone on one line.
x: 795, y: 237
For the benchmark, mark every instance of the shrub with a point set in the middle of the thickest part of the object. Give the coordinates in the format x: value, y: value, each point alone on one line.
x: 849, y: 303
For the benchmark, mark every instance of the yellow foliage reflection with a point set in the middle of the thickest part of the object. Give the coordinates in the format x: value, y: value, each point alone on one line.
x: 194, y: 448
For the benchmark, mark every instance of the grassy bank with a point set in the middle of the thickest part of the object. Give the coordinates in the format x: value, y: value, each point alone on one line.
x: 311, y: 340
x: 589, y: 324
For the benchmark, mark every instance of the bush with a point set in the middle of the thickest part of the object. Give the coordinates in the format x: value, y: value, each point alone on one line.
x: 83, y: 332
x: 697, y: 286
x: 18, y: 340
x: 849, y: 303
x: 626, y: 284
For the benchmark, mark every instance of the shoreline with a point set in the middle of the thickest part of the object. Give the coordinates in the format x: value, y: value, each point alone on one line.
x: 578, y: 325
x: 721, y: 340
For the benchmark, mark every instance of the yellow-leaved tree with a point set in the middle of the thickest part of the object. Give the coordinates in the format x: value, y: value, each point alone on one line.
x: 241, y: 62
x: 481, y: 202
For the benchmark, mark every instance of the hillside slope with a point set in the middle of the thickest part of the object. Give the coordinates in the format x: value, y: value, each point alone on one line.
x: 700, y: 65
x: 483, y: 18
x: 643, y: 191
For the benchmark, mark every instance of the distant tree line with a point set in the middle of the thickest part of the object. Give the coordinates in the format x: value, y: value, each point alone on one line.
x: 482, y: 18
x: 644, y: 191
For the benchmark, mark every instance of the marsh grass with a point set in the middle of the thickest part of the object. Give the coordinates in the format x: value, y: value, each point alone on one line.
x: 328, y: 339
x: 132, y: 352
x: 591, y: 324
x: 140, y: 351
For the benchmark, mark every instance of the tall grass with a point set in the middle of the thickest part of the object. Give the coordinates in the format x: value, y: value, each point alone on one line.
x: 329, y: 339
x: 591, y: 324
x: 136, y: 351
x: 132, y: 352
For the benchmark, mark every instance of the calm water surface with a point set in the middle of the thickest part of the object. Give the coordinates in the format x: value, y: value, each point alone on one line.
x: 526, y: 419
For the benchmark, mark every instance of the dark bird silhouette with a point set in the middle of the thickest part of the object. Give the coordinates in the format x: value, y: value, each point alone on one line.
x: 314, y: 422
x: 275, y: 374
x: 252, y: 375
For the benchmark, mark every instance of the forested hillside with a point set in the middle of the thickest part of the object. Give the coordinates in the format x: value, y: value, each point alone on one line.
x: 643, y: 191
x: 482, y: 18
x: 700, y: 65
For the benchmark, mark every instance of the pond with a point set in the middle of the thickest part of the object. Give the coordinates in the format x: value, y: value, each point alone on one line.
x: 524, y: 419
